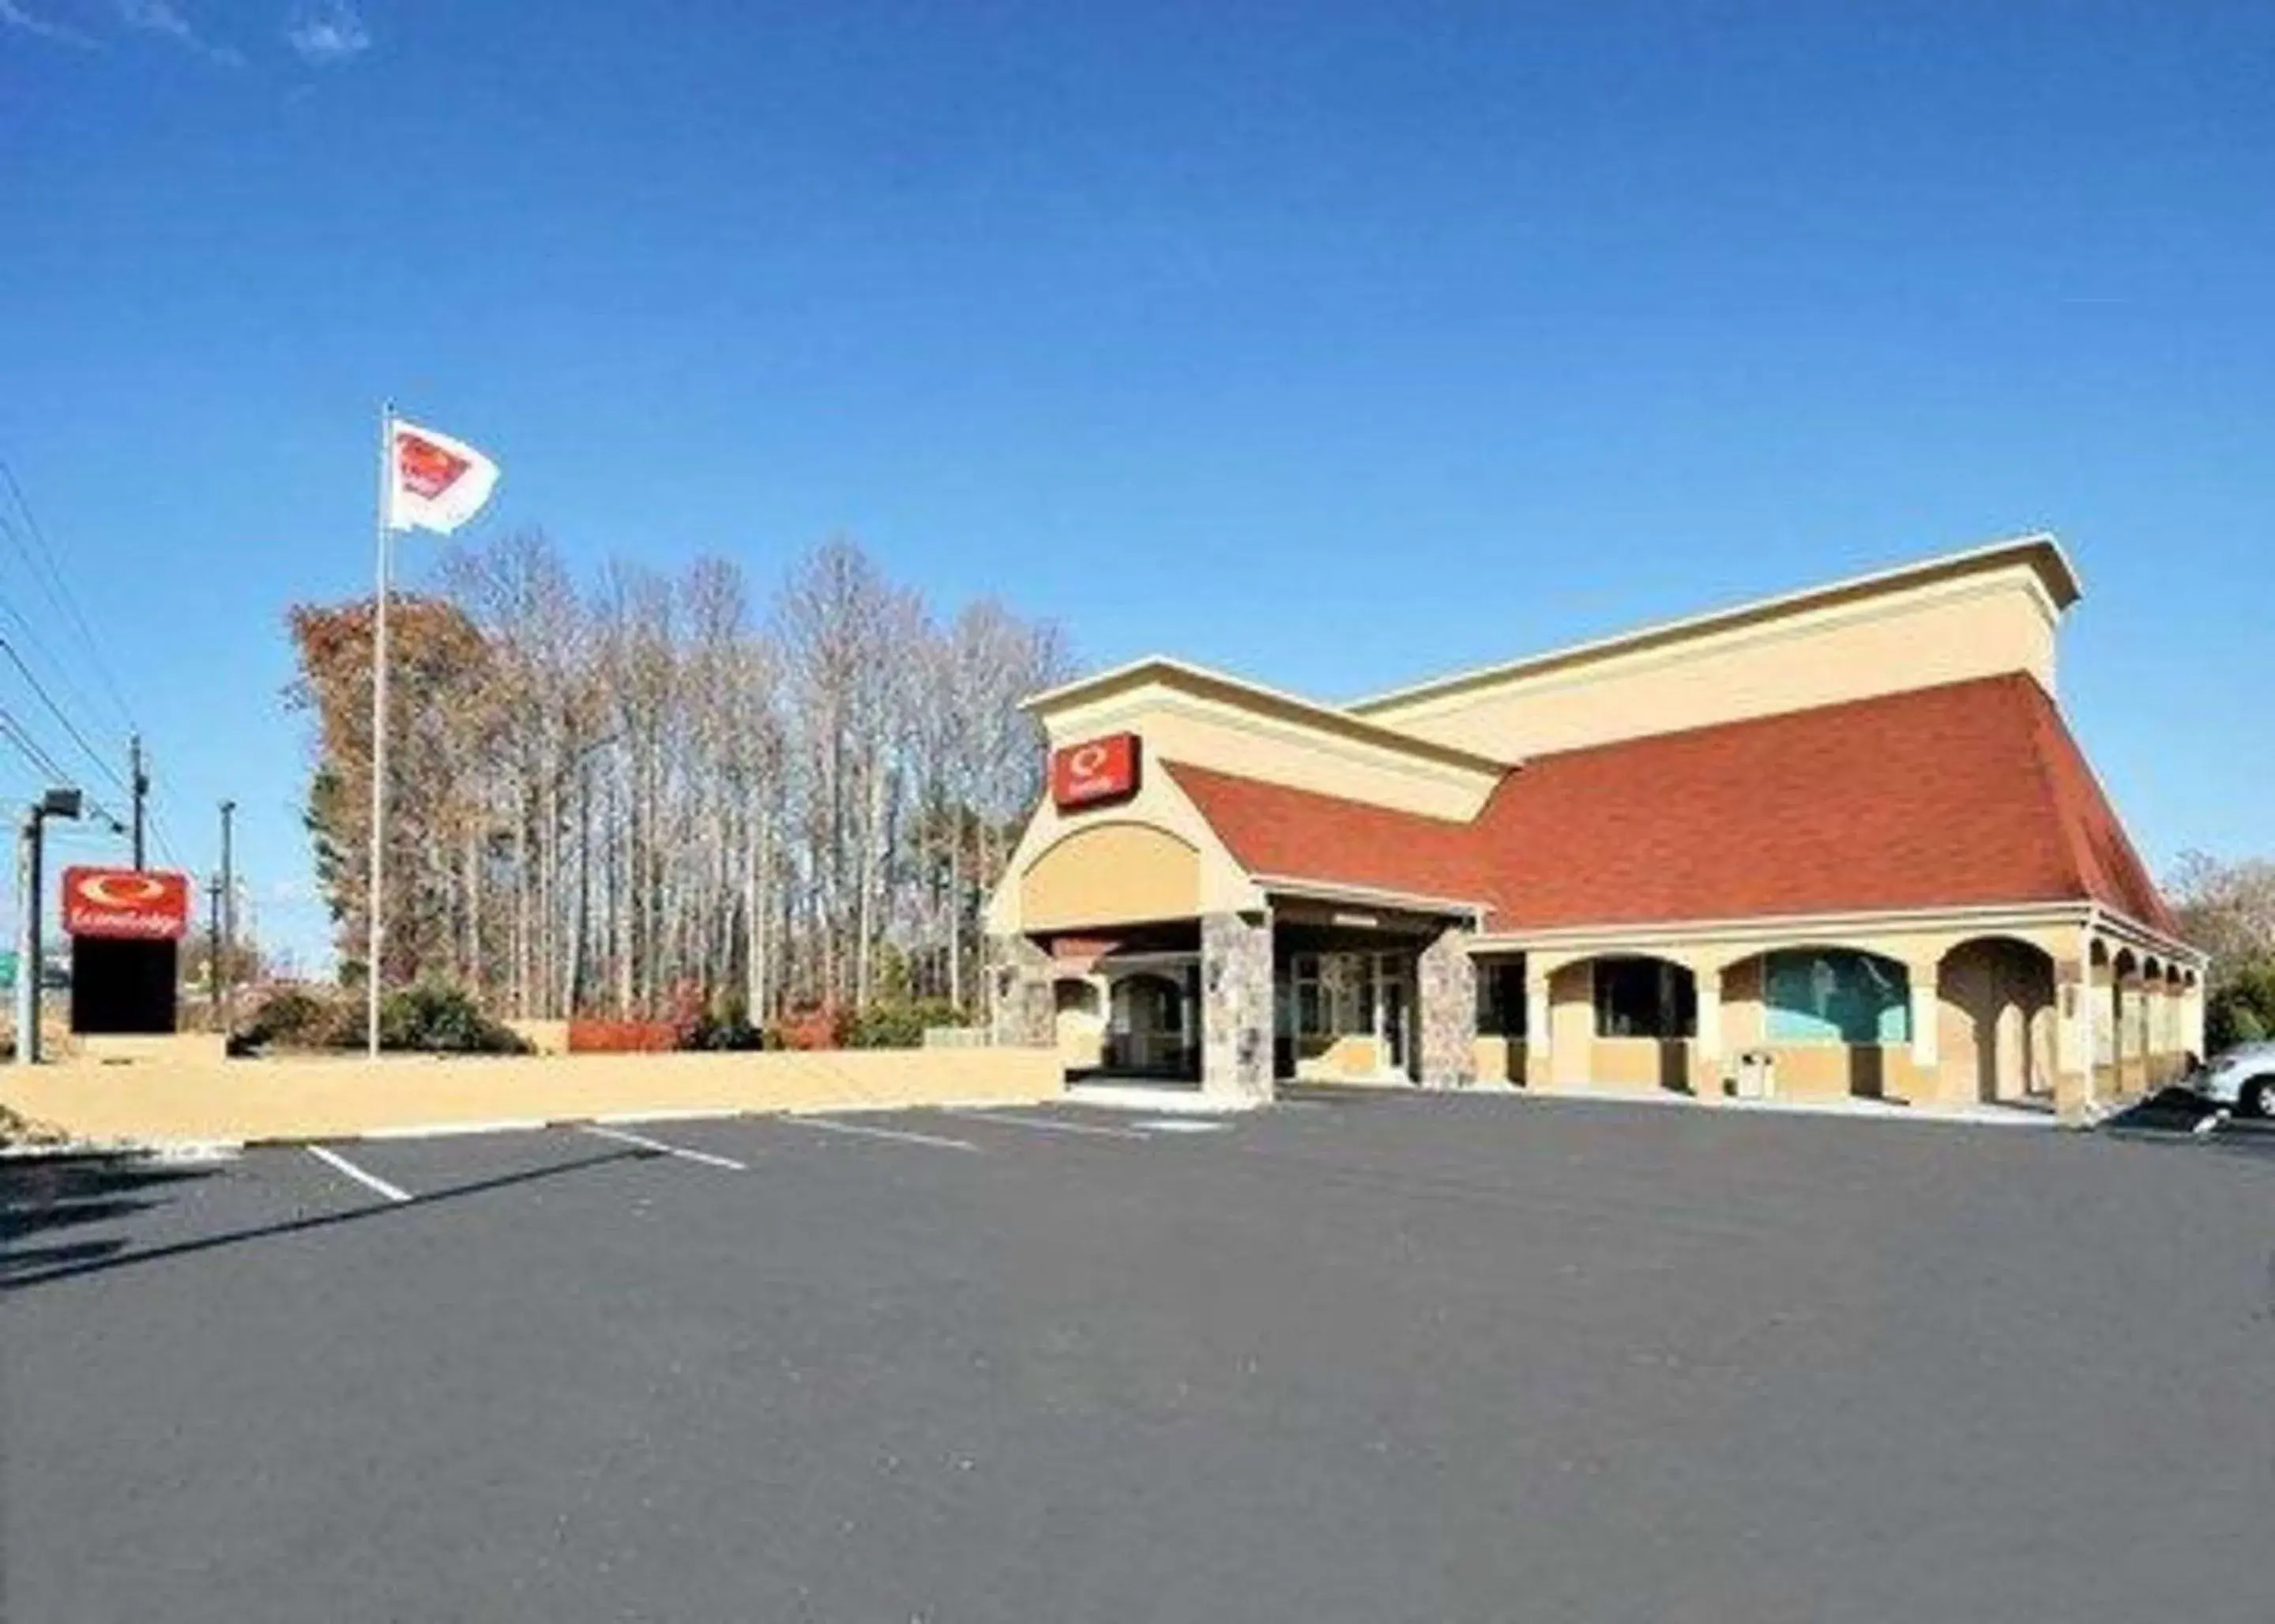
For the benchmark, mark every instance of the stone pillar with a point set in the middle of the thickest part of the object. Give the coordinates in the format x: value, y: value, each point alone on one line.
x: 1236, y: 1005
x: 1022, y: 1015
x: 1446, y: 990
x: 1539, y: 1028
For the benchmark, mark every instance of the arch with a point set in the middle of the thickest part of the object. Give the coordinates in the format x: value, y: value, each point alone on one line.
x: 1145, y: 1027
x: 1625, y: 1020
x: 1111, y: 873
x: 1996, y: 1022
x: 1807, y: 996
x: 1834, y: 1016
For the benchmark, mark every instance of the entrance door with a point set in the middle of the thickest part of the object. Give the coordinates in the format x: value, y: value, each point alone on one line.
x: 1397, y: 1019
x: 1147, y: 1035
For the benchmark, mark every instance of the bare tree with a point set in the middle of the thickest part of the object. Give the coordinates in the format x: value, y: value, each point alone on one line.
x: 639, y: 799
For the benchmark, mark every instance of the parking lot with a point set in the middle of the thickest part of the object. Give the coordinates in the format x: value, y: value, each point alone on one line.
x: 1368, y: 1359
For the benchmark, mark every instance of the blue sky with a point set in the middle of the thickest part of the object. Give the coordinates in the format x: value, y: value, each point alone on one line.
x: 1338, y: 346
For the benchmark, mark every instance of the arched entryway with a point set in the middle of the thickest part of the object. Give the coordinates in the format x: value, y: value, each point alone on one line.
x: 1148, y: 1028
x: 1833, y: 1022
x: 1995, y: 1039
x: 1623, y: 1021
x: 2132, y: 1050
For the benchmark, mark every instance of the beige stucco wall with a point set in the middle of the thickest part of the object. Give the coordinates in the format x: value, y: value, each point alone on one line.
x: 1114, y: 870
x: 1335, y: 1060
x: 542, y: 1037
x: 1637, y: 1062
x: 1976, y: 627
x: 1079, y: 1025
x: 1256, y: 743
x: 1972, y: 985
x: 325, y: 1098
x: 153, y: 1049
x: 1221, y: 884
x: 1498, y: 1060
x: 1996, y: 1019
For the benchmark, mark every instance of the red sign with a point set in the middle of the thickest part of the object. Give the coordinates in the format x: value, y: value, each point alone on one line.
x: 1104, y: 769
x: 427, y: 469
x: 121, y: 902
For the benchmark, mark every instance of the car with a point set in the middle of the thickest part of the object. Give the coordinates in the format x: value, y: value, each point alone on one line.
x: 2242, y: 1076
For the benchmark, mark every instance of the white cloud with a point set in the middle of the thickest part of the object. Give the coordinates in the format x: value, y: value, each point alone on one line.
x: 15, y: 16
x: 163, y: 17
x: 324, y: 32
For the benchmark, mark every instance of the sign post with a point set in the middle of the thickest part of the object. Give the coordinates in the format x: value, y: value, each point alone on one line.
x: 54, y: 803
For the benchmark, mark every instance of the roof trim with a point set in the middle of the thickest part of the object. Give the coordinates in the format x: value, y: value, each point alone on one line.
x: 2148, y: 936
x: 1241, y: 694
x: 1338, y: 891
x: 2078, y: 911
x: 2040, y: 549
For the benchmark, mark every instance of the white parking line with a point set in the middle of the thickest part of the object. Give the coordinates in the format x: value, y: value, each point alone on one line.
x: 658, y: 1145
x: 369, y: 1181
x: 935, y: 1140
x: 1046, y: 1125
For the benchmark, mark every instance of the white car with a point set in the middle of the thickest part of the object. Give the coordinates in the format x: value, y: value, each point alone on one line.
x: 2242, y: 1076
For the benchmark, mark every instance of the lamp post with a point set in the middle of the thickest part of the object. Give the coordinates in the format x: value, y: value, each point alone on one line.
x: 226, y: 965
x: 30, y: 971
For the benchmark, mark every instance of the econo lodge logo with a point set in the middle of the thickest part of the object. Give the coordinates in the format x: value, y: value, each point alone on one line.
x: 1100, y: 769
x: 125, y: 901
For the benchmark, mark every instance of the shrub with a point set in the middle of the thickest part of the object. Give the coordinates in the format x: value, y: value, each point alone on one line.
x: 897, y: 1025
x: 432, y: 1019
x: 2241, y: 1009
x: 589, y: 1036
x: 731, y: 1030
x: 293, y: 1018
x: 808, y: 1028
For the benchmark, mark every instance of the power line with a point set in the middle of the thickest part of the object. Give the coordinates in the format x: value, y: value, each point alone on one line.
x: 33, y: 751
x: 40, y: 559
x: 158, y: 836
x: 102, y: 763
x: 59, y: 593
x: 29, y: 635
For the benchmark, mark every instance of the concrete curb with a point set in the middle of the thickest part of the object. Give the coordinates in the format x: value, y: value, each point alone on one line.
x: 413, y: 1132
x: 165, y: 1153
x: 1857, y: 1110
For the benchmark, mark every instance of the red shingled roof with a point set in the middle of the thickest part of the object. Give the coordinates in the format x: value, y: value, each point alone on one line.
x: 1972, y: 793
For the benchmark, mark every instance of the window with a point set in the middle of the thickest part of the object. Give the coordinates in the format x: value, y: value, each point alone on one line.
x: 1500, y: 998
x: 1334, y: 994
x: 1831, y: 995
x: 1645, y: 998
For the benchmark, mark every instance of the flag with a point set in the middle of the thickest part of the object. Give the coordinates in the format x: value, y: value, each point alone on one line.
x: 433, y: 482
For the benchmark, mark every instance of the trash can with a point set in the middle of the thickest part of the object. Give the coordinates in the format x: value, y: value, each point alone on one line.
x: 1757, y: 1075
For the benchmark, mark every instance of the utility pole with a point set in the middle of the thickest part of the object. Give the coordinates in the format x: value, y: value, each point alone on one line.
x: 140, y: 780
x: 228, y: 920
x: 213, y: 946
x: 29, y: 969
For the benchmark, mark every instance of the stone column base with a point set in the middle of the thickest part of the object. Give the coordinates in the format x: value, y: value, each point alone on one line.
x: 1236, y: 1005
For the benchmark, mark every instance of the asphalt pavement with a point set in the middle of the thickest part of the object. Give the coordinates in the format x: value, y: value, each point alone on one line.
x: 1374, y: 1360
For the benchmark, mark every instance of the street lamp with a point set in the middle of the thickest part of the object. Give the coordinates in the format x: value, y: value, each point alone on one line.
x: 30, y: 971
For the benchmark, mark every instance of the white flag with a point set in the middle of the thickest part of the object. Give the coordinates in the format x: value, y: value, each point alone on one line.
x: 433, y: 482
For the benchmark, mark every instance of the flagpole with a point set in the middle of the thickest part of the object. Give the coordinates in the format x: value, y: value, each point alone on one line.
x: 379, y: 735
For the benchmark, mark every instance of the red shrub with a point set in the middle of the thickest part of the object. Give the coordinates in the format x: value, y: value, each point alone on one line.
x: 809, y: 1029
x: 590, y: 1036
